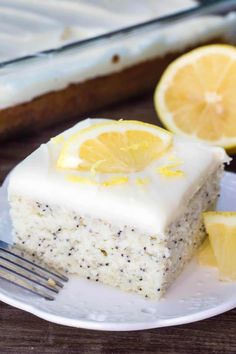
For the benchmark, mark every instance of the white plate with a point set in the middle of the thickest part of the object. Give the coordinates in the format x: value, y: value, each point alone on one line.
x: 196, y: 295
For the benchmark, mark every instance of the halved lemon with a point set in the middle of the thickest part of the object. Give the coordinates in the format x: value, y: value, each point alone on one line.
x: 114, y: 147
x: 196, y: 95
x: 221, y: 228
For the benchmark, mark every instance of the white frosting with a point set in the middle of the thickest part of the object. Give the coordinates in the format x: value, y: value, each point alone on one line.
x: 30, y: 26
x: 149, y: 207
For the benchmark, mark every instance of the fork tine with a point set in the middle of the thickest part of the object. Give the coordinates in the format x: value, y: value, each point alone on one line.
x: 28, y: 267
x: 31, y: 271
x: 35, y: 281
x: 32, y: 290
x: 54, y: 273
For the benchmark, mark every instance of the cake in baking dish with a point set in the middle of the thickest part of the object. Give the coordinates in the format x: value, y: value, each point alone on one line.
x: 49, y: 88
x: 116, y: 202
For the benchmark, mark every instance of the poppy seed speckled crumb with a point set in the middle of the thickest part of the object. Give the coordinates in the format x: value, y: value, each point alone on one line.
x: 115, y: 255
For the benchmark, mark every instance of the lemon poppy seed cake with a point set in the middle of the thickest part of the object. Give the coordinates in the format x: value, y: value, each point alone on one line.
x: 117, y: 202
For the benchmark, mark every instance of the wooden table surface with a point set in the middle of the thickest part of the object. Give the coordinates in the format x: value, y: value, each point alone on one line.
x: 22, y: 333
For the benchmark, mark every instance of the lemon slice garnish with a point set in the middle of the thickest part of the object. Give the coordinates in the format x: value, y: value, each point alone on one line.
x: 114, y: 147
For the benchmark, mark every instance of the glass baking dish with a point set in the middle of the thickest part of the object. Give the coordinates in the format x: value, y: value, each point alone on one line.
x: 57, y: 84
x: 202, y: 8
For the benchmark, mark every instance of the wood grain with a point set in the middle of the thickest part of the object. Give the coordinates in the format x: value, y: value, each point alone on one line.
x: 23, y: 333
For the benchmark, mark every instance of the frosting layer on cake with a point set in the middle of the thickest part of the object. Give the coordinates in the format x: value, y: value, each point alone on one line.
x: 148, y: 200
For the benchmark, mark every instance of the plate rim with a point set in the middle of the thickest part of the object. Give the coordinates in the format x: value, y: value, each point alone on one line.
x: 121, y: 326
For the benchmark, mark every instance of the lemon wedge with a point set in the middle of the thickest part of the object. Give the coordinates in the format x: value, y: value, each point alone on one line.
x: 196, y: 95
x: 114, y: 147
x: 206, y: 255
x: 221, y: 228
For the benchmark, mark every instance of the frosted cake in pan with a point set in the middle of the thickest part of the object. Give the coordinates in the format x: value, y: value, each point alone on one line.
x: 49, y: 88
x: 116, y: 202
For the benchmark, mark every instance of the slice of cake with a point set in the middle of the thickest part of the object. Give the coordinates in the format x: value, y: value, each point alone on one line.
x: 117, y: 202
x: 48, y: 88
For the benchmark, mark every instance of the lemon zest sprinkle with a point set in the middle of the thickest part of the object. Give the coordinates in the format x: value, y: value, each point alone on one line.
x: 168, y: 171
x: 142, y: 181
x: 80, y: 179
x: 115, y: 181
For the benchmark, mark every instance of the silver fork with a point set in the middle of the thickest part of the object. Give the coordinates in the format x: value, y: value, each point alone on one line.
x: 31, y: 275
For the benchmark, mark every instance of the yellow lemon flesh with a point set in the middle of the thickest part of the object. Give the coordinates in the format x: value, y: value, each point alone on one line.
x: 221, y: 228
x: 206, y: 255
x: 196, y: 95
x: 114, y: 147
